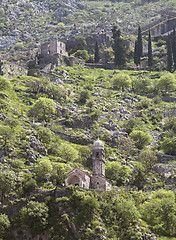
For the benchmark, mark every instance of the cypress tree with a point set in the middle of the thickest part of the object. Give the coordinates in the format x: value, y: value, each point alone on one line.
x: 174, y: 48
x: 150, y: 56
x: 96, y: 54
x: 169, y: 54
x: 140, y: 41
x: 136, y: 54
x: 119, y: 48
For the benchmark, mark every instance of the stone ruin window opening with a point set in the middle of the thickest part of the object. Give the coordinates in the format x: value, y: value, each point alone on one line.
x: 97, y: 154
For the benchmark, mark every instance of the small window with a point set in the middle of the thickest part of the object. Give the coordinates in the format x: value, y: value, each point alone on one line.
x: 97, y: 154
x: 97, y: 183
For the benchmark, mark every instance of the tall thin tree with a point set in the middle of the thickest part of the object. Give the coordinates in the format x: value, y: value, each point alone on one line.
x: 136, y: 54
x: 140, y: 41
x: 169, y: 54
x: 119, y: 48
x: 96, y: 54
x: 174, y: 47
x: 150, y: 56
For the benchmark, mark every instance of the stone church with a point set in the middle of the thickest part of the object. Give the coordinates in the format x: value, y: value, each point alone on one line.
x: 78, y: 177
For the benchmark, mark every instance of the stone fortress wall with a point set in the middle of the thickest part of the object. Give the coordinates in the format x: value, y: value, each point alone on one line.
x: 165, y: 24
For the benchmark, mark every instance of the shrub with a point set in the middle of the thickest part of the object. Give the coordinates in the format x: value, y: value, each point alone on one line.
x: 131, y: 124
x: 44, y: 107
x: 57, y: 93
x: 29, y: 186
x: 42, y: 168
x: 148, y: 159
x: 60, y: 172
x: 117, y: 173
x: 4, y: 83
x: 169, y: 145
x: 170, y: 124
x: 142, y: 85
x: 82, y: 54
x: 144, y: 103
x: 160, y: 212
x: 141, y: 138
x: 46, y: 135
x: 84, y: 95
x: 167, y: 83
x: 4, y: 224
x: 67, y: 152
x: 121, y: 81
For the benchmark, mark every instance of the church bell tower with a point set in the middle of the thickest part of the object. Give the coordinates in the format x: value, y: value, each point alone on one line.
x: 98, y: 158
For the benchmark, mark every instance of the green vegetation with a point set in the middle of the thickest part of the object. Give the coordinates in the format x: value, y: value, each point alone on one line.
x: 47, y: 129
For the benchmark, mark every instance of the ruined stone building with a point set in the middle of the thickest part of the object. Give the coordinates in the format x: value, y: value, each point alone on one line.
x: 78, y: 177
x: 49, y: 53
x: 53, y: 47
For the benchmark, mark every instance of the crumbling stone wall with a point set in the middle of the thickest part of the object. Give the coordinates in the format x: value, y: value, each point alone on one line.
x: 10, y: 70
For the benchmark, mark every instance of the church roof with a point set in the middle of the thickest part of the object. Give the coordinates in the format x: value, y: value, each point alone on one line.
x: 77, y: 170
x: 98, y: 144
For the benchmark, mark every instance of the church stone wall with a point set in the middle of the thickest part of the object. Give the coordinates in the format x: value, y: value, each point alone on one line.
x: 98, y: 167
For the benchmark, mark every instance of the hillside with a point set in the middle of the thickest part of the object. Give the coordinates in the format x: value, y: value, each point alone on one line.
x: 50, y: 120
x: 33, y: 22
x: 47, y: 128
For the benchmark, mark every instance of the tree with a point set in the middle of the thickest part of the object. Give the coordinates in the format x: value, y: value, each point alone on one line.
x: 35, y: 215
x: 138, y: 176
x: 117, y: 173
x: 136, y: 54
x: 60, y: 172
x: 150, y: 56
x: 29, y: 186
x: 169, y: 54
x: 126, y: 146
x: 43, y: 167
x: 82, y: 54
x: 160, y: 212
x: 6, y: 183
x: 141, y: 138
x: 139, y: 40
x: 67, y: 152
x: 36, y: 84
x: 174, y: 48
x: 46, y: 135
x: 119, y: 48
x: 44, y: 107
x: 96, y: 54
